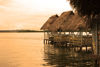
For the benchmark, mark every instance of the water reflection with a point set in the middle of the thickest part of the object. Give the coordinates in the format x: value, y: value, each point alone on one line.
x: 65, y: 57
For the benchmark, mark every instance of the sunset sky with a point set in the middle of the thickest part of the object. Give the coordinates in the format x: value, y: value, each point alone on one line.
x: 29, y: 14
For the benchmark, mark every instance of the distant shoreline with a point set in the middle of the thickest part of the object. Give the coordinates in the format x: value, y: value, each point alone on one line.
x: 20, y: 31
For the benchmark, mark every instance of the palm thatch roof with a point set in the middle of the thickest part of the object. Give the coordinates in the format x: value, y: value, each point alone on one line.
x: 74, y: 23
x: 49, y: 22
x: 68, y: 21
x: 57, y: 23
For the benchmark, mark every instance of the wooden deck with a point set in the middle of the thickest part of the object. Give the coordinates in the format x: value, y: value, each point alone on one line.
x: 96, y: 58
x: 73, y: 41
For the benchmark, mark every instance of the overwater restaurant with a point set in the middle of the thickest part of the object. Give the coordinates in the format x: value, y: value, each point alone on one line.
x: 64, y: 27
x: 72, y: 30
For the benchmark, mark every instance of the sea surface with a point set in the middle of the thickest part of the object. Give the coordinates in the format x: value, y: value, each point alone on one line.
x: 28, y: 50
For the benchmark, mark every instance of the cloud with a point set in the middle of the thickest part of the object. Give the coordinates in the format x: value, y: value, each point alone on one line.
x: 5, y: 5
x: 5, y: 2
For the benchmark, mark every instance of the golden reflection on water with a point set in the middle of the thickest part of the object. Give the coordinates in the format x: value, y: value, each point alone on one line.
x: 21, y: 50
x: 28, y: 50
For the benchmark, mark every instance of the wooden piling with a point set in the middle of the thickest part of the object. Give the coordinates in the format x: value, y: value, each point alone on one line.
x: 74, y: 48
x: 81, y: 48
x: 44, y: 41
x: 86, y: 48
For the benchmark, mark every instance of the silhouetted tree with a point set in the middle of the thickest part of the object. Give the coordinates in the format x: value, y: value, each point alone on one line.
x: 86, y: 7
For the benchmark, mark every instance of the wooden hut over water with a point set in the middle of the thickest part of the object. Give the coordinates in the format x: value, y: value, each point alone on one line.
x: 70, y: 22
x: 47, y: 24
x: 60, y: 38
x: 91, y: 9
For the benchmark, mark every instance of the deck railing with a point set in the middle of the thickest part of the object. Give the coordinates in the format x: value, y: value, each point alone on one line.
x: 71, y: 38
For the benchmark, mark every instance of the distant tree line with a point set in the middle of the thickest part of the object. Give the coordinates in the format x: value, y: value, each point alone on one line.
x: 20, y: 31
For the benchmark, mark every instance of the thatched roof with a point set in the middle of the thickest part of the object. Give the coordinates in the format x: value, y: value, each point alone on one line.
x: 74, y: 23
x: 68, y: 21
x: 49, y: 22
x: 57, y: 23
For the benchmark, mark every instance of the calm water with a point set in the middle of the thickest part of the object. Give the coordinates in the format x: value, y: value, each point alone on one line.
x: 28, y: 50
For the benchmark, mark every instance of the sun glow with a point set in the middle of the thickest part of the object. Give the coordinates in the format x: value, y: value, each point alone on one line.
x: 17, y: 14
x: 43, y: 5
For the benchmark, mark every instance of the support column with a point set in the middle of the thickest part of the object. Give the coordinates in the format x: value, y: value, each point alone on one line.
x: 44, y: 36
x: 95, y: 39
x: 81, y: 48
x: 44, y: 41
x: 48, y: 34
x: 81, y: 38
x: 86, y: 48
x: 64, y: 32
x: 69, y: 37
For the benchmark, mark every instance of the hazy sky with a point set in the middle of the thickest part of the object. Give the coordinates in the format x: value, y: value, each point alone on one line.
x: 29, y: 14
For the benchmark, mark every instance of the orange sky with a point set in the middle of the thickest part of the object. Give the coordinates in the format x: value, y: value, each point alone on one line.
x: 29, y: 14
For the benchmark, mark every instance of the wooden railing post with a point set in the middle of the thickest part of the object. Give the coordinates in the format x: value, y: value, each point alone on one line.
x: 69, y: 37
x: 81, y: 38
